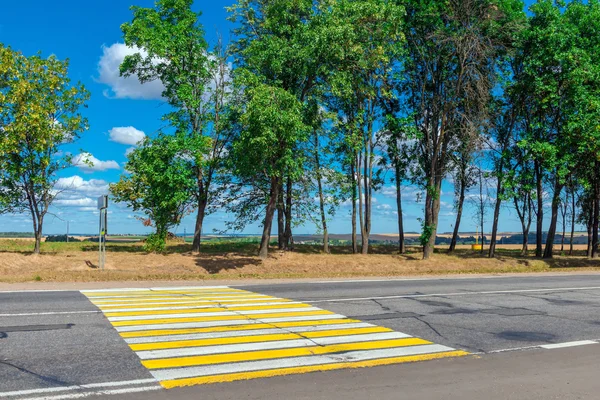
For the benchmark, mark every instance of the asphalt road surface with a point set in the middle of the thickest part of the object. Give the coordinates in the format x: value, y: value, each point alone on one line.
x: 527, y: 338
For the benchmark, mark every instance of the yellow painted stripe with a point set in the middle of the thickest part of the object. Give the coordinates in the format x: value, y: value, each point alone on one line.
x: 204, y: 310
x: 176, y: 298
x: 216, y: 318
x: 230, y: 328
x: 270, y: 354
x: 177, y: 303
x: 301, y: 370
x: 157, y: 292
x: 255, y: 338
x: 184, y: 298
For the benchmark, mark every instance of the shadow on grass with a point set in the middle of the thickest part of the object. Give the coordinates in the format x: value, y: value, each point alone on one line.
x: 216, y: 265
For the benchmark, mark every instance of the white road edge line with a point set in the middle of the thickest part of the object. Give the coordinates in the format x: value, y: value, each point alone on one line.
x: 97, y: 393
x: 79, y: 387
x: 567, y: 344
x: 411, y: 296
x: 50, y: 313
x: 540, y: 346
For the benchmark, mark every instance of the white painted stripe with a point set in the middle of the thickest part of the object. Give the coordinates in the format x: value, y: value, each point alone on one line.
x: 567, y: 344
x: 191, y: 288
x: 212, y: 314
x: 177, y: 297
x: 412, y: 296
x: 115, y: 290
x: 98, y: 393
x: 351, y: 356
x: 50, y: 313
x: 280, y: 344
x: 225, y: 306
x: 167, y: 294
x: 257, y: 332
x: 191, y: 303
x: 180, y: 300
x: 185, y: 325
x: 71, y: 388
x: 150, y: 289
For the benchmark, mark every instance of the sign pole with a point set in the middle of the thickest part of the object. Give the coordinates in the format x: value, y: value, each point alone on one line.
x: 103, y: 207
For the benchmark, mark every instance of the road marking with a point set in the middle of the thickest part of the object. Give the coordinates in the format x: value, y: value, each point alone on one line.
x: 253, y: 337
x: 112, y: 392
x: 250, y: 332
x: 268, y: 346
x: 169, y: 384
x: 49, y: 313
x: 412, y: 296
x: 120, y: 315
x: 315, y: 316
x: 567, y: 344
x: 103, y: 385
x: 242, y: 326
x: 241, y: 335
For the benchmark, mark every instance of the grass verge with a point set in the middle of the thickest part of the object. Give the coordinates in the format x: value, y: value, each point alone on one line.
x: 228, y: 260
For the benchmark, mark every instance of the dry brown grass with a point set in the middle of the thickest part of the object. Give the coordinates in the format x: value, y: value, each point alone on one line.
x: 77, y: 262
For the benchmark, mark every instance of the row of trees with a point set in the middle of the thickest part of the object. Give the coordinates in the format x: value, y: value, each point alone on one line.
x: 317, y: 102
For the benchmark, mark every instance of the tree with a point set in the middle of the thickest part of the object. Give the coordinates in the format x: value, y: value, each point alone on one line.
x: 271, y: 126
x: 397, y: 155
x: 450, y: 71
x: 464, y: 178
x: 160, y: 182
x: 285, y: 43
x: 360, y: 90
x: 39, y: 113
x: 172, y: 49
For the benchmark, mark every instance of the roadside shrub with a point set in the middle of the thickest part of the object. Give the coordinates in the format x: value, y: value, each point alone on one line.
x: 61, y: 238
x: 155, y: 243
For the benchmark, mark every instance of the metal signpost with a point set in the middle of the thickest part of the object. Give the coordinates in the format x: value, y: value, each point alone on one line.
x: 103, y: 207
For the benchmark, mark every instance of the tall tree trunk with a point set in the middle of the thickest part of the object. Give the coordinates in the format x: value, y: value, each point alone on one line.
x: 280, y: 219
x: 361, y: 219
x: 525, y: 218
x: 38, y: 241
x: 548, y: 252
x: 432, y: 212
x: 563, y: 213
x: 596, y: 217
x: 499, y: 193
x: 321, y: 197
x: 401, y: 245
x: 367, y: 211
x: 287, y: 236
x: 199, y: 222
x: 354, y: 192
x: 573, y: 210
x: 270, y: 212
x: 590, y: 228
x: 459, y: 211
x: 540, y: 210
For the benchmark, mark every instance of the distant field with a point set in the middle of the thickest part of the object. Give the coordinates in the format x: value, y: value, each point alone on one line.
x: 237, y: 259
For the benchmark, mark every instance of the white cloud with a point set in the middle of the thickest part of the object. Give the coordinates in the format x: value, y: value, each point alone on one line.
x: 126, y: 135
x: 120, y: 87
x: 81, y: 202
x: 129, y: 150
x: 88, y: 163
x: 74, y: 187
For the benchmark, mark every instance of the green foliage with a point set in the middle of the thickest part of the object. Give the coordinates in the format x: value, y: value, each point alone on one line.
x: 174, y: 52
x: 155, y: 243
x: 271, y: 126
x: 39, y: 112
x: 160, y: 181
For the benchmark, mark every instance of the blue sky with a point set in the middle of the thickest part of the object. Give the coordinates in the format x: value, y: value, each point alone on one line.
x: 121, y: 111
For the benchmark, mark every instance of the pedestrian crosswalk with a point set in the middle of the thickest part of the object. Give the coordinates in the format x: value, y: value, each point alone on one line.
x: 191, y: 336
